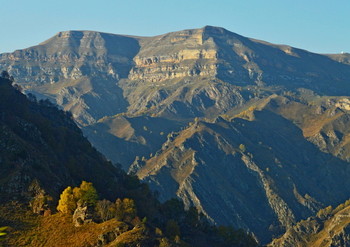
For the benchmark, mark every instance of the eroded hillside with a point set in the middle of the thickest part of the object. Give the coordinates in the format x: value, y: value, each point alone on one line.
x: 251, y: 133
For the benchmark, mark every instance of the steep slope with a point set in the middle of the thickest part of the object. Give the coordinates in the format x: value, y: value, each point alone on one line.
x: 192, y: 73
x: 289, y: 109
x: 43, y: 151
x: 252, y: 174
x: 329, y: 228
x: 323, y: 121
x: 188, y: 73
x: 77, y: 69
x: 125, y: 139
x: 42, y: 146
x: 175, y: 74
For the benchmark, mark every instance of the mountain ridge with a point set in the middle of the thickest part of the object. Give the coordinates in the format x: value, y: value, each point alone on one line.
x: 133, y: 96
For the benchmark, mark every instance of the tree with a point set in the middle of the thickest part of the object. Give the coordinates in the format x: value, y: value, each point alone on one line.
x: 67, y: 203
x: 105, y: 209
x: 125, y: 209
x: 192, y: 217
x: 119, y: 212
x: 86, y: 194
x: 40, y: 203
x: 164, y: 242
x: 242, y: 147
x: 129, y: 208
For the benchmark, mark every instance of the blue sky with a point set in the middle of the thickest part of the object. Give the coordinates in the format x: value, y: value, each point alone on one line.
x: 321, y: 26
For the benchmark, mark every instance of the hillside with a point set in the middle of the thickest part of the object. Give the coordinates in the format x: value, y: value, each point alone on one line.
x: 43, y: 152
x: 329, y: 228
x: 181, y: 75
x: 41, y: 145
x: 251, y: 133
x: 261, y: 179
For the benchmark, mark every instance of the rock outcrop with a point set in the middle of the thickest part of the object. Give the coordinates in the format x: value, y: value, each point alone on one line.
x: 251, y: 133
x: 258, y: 180
x: 82, y: 215
x: 331, y: 230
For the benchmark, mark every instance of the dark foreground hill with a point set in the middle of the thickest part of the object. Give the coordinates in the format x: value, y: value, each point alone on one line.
x: 251, y: 133
x: 40, y: 143
x: 43, y: 152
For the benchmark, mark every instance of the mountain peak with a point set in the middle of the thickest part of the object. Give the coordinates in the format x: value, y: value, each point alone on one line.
x: 214, y: 29
x: 180, y: 76
x: 70, y: 35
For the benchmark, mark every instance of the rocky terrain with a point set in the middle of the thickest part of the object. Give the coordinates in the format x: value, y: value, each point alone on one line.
x: 329, y: 228
x: 43, y: 152
x: 251, y: 133
x: 226, y: 168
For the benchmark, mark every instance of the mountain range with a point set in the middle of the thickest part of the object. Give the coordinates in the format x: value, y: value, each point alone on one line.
x: 43, y: 153
x: 252, y: 134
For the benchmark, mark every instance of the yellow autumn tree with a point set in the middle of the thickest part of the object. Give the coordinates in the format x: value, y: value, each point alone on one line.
x: 105, y: 210
x: 86, y: 194
x: 125, y: 209
x: 242, y: 147
x: 67, y: 203
x: 129, y: 208
x: 119, y: 211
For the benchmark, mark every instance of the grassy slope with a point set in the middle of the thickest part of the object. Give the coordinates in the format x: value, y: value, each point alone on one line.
x: 27, y: 229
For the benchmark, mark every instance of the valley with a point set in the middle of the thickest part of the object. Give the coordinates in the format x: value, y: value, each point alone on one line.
x: 252, y: 134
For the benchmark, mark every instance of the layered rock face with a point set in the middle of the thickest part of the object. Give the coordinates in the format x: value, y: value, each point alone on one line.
x: 188, y: 73
x: 253, y: 134
x: 175, y: 55
x: 77, y: 70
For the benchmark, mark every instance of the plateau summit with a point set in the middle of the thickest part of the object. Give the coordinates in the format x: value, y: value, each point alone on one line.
x: 252, y: 134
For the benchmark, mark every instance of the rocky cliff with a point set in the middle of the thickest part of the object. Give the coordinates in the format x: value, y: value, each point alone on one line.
x: 77, y: 70
x: 329, y: 228
x: 227, y: 168
x: 253, y: 134
x: 188, y: 73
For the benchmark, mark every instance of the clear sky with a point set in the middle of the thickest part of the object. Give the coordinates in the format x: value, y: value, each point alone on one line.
x: 321, y: 26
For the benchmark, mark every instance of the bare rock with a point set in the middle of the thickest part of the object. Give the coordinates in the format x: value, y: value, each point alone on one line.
x: 82, y: 215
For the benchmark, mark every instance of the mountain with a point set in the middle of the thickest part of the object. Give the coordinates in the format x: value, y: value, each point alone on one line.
x: 329, y: 228
x: 43, y: 152
x: 192, y: 73
x: 251, y: 133
x: 68, y: 58
x: 43, y: 149
x: 188, y: 73
x: 258, y: 174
